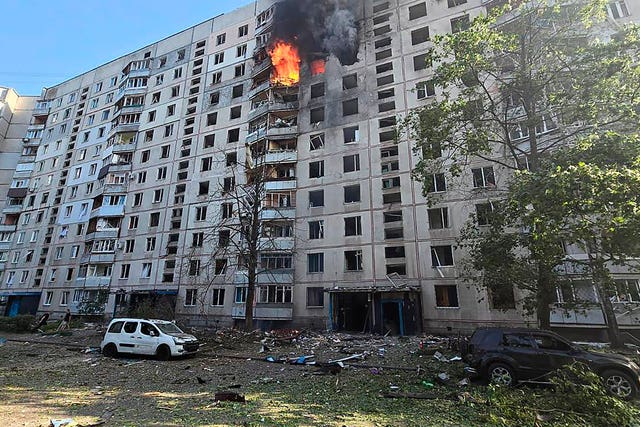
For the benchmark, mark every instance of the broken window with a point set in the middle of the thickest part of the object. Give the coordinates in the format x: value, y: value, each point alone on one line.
x: 317, y: 90
x: 316, y: 141
x: 316, y: 115
x: 237, y: 91
x: 351, y: 163
x: 315, y: 297
x: 316, y: 198
x: 435, y: 183
x: 316, y: 229
x: 350, y: 107
x: 425, y: 89
x: 441, y: 256
x: 420, y: 35
x: 391, y: 182
x: 233, y: 135
x: 353, y: 226
x: 392, y: 198
x: 353, y: 260
x: 460, y: 23
x: 352, y: 193
x: 212, y: 119
x: 221, y: 266
x: 483, y: 177
x: 235, y: 112
x: 351, y: 134
x: 421, y: 62
x: 392, y: 216
x: 438, y: 218
x: 316, y: 169
x: 446, y: 296
x: 350, y: 81
x: 394, y: 252
x: 483, y: 213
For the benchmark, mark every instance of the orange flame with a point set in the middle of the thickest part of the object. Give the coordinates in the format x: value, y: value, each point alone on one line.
x: 286, y: 63
x: 317, y: 67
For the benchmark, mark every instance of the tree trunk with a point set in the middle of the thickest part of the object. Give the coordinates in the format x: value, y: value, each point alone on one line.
x: 248, y: 305
x: 613, y: 331
x: 544, y: 297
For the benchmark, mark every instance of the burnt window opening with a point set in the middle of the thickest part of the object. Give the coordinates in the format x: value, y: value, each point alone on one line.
x: 350, y: 107
x: 352, y: 193
x: 353, y: 226
x: 381, y: 30
x: 315, y: 296
x: 351, y: 134
x: 226, y: 210
x: 224, y: 237
x: 316, y: 198
x: 381, y: 18
x: 221, y: 268
x: 350, y: 81
x: 316, y: 142
x: 421, y: 35
x: 228, y: 184
x: 386, y: 106
x: 212, y: 119
x: 316, y: 115
x: 388, y: 136
x: 417, y: 11
x: 214, y: 98
x: 438, y: 218
x: 317, y: 90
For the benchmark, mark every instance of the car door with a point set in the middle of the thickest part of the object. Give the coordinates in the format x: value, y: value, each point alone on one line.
x: 520, y: 347
x: 148, y: 338
x: 555, y: 351
x: 127, y: 342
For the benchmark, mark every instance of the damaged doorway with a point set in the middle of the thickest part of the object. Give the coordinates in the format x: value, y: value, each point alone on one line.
x: 390, y: 311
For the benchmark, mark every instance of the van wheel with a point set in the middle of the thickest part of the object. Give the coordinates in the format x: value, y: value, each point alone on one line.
x: 163, y: 353
x: 110, y: 350
x: 619, y: 384
x: 501, y: 374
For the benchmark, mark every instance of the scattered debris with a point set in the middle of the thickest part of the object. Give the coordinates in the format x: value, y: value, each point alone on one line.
x: 442, y: 358
x: 442, y: 378
x: 201, y: 381
x: 463, y: 382
x: 67, y: 422
x: 396, y: 395
x: 229, y: 396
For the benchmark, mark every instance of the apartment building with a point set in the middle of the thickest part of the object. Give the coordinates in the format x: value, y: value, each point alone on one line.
x: 118, y: 205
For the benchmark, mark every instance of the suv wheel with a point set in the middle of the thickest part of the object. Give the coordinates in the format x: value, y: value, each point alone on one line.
x: 619, y: 384
x: 163, y: 353
x: 501, y: 373
x: 110, y: 350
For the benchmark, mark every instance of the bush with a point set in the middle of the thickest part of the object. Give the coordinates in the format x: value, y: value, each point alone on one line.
x: 577, y: 398
x: 22, y: 323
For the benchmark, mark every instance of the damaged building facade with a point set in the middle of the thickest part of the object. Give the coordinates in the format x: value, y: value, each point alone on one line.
x: 114, y: 203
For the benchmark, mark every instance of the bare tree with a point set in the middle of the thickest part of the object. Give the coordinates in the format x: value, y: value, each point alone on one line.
x: 247, y: 224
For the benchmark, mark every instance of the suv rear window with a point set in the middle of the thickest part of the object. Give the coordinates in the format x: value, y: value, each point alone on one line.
x: 130, y: 327
x: 115, y: 328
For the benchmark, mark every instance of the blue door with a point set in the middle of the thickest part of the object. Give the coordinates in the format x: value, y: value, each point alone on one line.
x: 14, y: 308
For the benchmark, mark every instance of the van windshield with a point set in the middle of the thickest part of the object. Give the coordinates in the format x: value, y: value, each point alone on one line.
x: 169, y: 328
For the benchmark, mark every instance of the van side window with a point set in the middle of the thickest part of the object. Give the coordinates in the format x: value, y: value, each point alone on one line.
x: 130, y: 327
x: 148, y: 328
x: 518, y: 340
x: 116, y: 328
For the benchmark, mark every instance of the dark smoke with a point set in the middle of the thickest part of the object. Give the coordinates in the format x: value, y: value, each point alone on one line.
x: 319, y: 28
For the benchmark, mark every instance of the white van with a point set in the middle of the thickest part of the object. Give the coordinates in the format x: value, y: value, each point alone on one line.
x: 144, y: 336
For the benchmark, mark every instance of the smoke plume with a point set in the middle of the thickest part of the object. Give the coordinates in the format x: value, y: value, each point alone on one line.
x: 319, y: 28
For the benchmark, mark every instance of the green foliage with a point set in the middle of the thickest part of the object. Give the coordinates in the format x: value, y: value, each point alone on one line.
x: 577, y: 398
x: 22, y: 323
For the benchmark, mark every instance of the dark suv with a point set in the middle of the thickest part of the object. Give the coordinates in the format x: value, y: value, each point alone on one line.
x: 506, y: 356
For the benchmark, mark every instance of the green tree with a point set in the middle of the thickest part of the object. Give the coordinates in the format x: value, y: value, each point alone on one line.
x: 512, y: 88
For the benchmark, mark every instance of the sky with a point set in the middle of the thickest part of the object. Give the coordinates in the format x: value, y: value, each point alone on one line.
x: 45, y: 42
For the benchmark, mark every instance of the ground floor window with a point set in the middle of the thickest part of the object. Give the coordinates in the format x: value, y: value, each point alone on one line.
x: 446, y: 296
x: 315, y: 297
x: 191, y: 297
